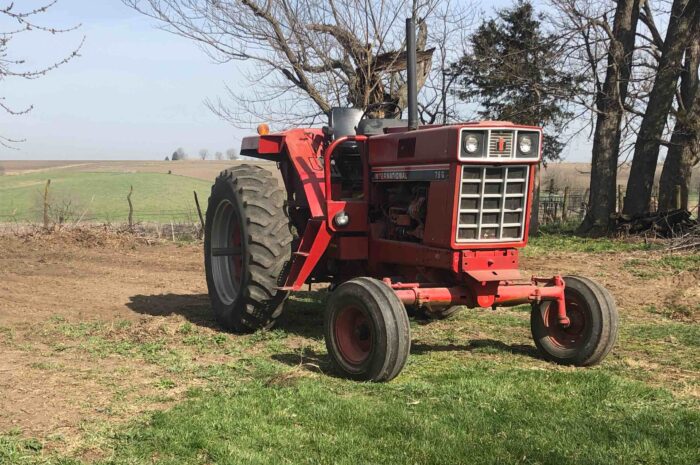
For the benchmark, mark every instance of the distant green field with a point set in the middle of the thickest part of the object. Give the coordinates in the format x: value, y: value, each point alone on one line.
x: 101, y: 196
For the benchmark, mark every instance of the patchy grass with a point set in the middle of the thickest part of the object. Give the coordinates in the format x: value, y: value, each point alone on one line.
x: 479, y: 412
x: 165, y: 385
x: 474, y: 390
x: 545, y: 243
x: 650, y: 268
x: 675, y: 311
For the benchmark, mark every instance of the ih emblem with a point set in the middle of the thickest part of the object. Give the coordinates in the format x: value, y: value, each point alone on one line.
x: 501, y: 144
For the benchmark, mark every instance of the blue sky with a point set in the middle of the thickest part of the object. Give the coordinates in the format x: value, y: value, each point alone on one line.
x: 135, y: 92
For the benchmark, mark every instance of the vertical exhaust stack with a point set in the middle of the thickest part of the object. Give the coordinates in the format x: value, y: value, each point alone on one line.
x: 411, y: 74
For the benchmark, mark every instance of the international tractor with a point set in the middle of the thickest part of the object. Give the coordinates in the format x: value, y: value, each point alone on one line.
x: 392, y: 216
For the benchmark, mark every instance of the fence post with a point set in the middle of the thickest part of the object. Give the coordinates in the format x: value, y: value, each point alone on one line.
x: 131, y: 208
x: 677, y: 196
x: 565, y: 206
x: 46, y: 204
x: 620, y: 198
x: 199, y: 210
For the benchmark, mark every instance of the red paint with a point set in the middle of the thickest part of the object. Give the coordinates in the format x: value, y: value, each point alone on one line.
x: 442, y: 271
x: 501, y: 144
x: 353, y: 333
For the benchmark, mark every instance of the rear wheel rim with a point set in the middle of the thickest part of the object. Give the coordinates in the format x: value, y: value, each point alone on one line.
x: 353, y: 335
x: 226, y: 252
x: 574, y: 335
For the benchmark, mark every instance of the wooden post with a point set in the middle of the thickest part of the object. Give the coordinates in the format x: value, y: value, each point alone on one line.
x: 46, y: 204
x: 131, y: 208
x: 199, y: 210
x: 677, y: 197
x: 620, y: 198
x: 565, y: 206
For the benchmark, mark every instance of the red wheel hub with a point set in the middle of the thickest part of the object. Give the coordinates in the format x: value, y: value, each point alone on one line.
x: 353, y: 334
x: 571, y: 336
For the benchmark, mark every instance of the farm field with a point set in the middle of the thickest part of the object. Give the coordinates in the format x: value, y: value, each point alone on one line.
x: 110, y: 356
x: 205, y: 170
x: 96, y: 191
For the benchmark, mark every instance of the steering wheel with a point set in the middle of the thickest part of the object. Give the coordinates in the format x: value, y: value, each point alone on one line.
x: 374, y: 106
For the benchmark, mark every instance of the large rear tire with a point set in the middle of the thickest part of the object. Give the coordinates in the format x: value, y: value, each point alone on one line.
x: 593, y: 329
x: 367, y: 330
x: 247, y: 244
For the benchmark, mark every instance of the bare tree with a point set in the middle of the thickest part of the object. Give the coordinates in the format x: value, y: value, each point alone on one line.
x: 604, y: 53
x: 22, y: 21
x: 685, y: 14
x: 684, y: 147
x: 219, y: 156
x: 203, y: 154
x: 306, y: 56
x: 439, y: 101
x: 231, y: 154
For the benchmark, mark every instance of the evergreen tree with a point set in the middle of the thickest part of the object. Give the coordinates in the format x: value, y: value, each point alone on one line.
x: 514, y: 72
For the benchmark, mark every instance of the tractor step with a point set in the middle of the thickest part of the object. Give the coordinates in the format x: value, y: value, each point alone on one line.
x: 313, y: 243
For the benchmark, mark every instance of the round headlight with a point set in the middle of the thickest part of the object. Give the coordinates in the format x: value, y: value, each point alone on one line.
x: 525, y: 144
x: 471, y: 144
x: 341, y: 219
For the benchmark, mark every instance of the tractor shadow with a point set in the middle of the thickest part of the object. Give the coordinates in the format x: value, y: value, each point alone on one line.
x: 302, y: 315
x: 477, y: 345
x: 195, y: 308
x: 315, y: 362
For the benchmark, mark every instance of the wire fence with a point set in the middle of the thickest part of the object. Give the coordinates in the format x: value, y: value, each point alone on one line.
x: 566, y: 205
x: 556, y: 206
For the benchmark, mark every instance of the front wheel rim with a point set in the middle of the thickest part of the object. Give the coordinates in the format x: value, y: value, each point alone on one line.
x: 226, y: 252
x: 353, y: 335
x: 574, y: 335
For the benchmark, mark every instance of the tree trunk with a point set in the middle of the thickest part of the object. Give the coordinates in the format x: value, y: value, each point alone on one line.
x: 685, y: 142
x: 646, y: 150
x: 606, y: 141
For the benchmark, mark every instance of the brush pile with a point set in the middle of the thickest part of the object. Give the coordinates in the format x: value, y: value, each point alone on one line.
x: 688, y: 240
x: 673, y: 224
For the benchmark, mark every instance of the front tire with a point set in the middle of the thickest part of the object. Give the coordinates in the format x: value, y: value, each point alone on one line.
x: 593, y: 329
x: 367, y: 330
x: 247, y: 244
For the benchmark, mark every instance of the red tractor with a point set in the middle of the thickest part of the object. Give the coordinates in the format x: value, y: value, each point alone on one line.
x: 392, y: 215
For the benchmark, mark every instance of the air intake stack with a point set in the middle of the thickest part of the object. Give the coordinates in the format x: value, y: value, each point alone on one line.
x: 411, y: 74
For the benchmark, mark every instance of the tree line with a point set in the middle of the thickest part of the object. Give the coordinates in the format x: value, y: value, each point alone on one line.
x: 622, y: 72
x: 204, y: 154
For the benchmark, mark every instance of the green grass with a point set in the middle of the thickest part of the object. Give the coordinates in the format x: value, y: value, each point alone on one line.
x: 472, y: 392
x: 650, y: 268
x: 102, y: 196
x: 478, y: 413
x: 546, y: 242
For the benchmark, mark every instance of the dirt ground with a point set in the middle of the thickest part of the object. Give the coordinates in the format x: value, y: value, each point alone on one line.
x: 80, y: 312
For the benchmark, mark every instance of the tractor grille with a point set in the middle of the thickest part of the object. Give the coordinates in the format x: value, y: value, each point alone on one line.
x: 492, y: 203
x: 500, y: 144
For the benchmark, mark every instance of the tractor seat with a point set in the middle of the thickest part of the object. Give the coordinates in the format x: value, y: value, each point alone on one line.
x: 374, y: 127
